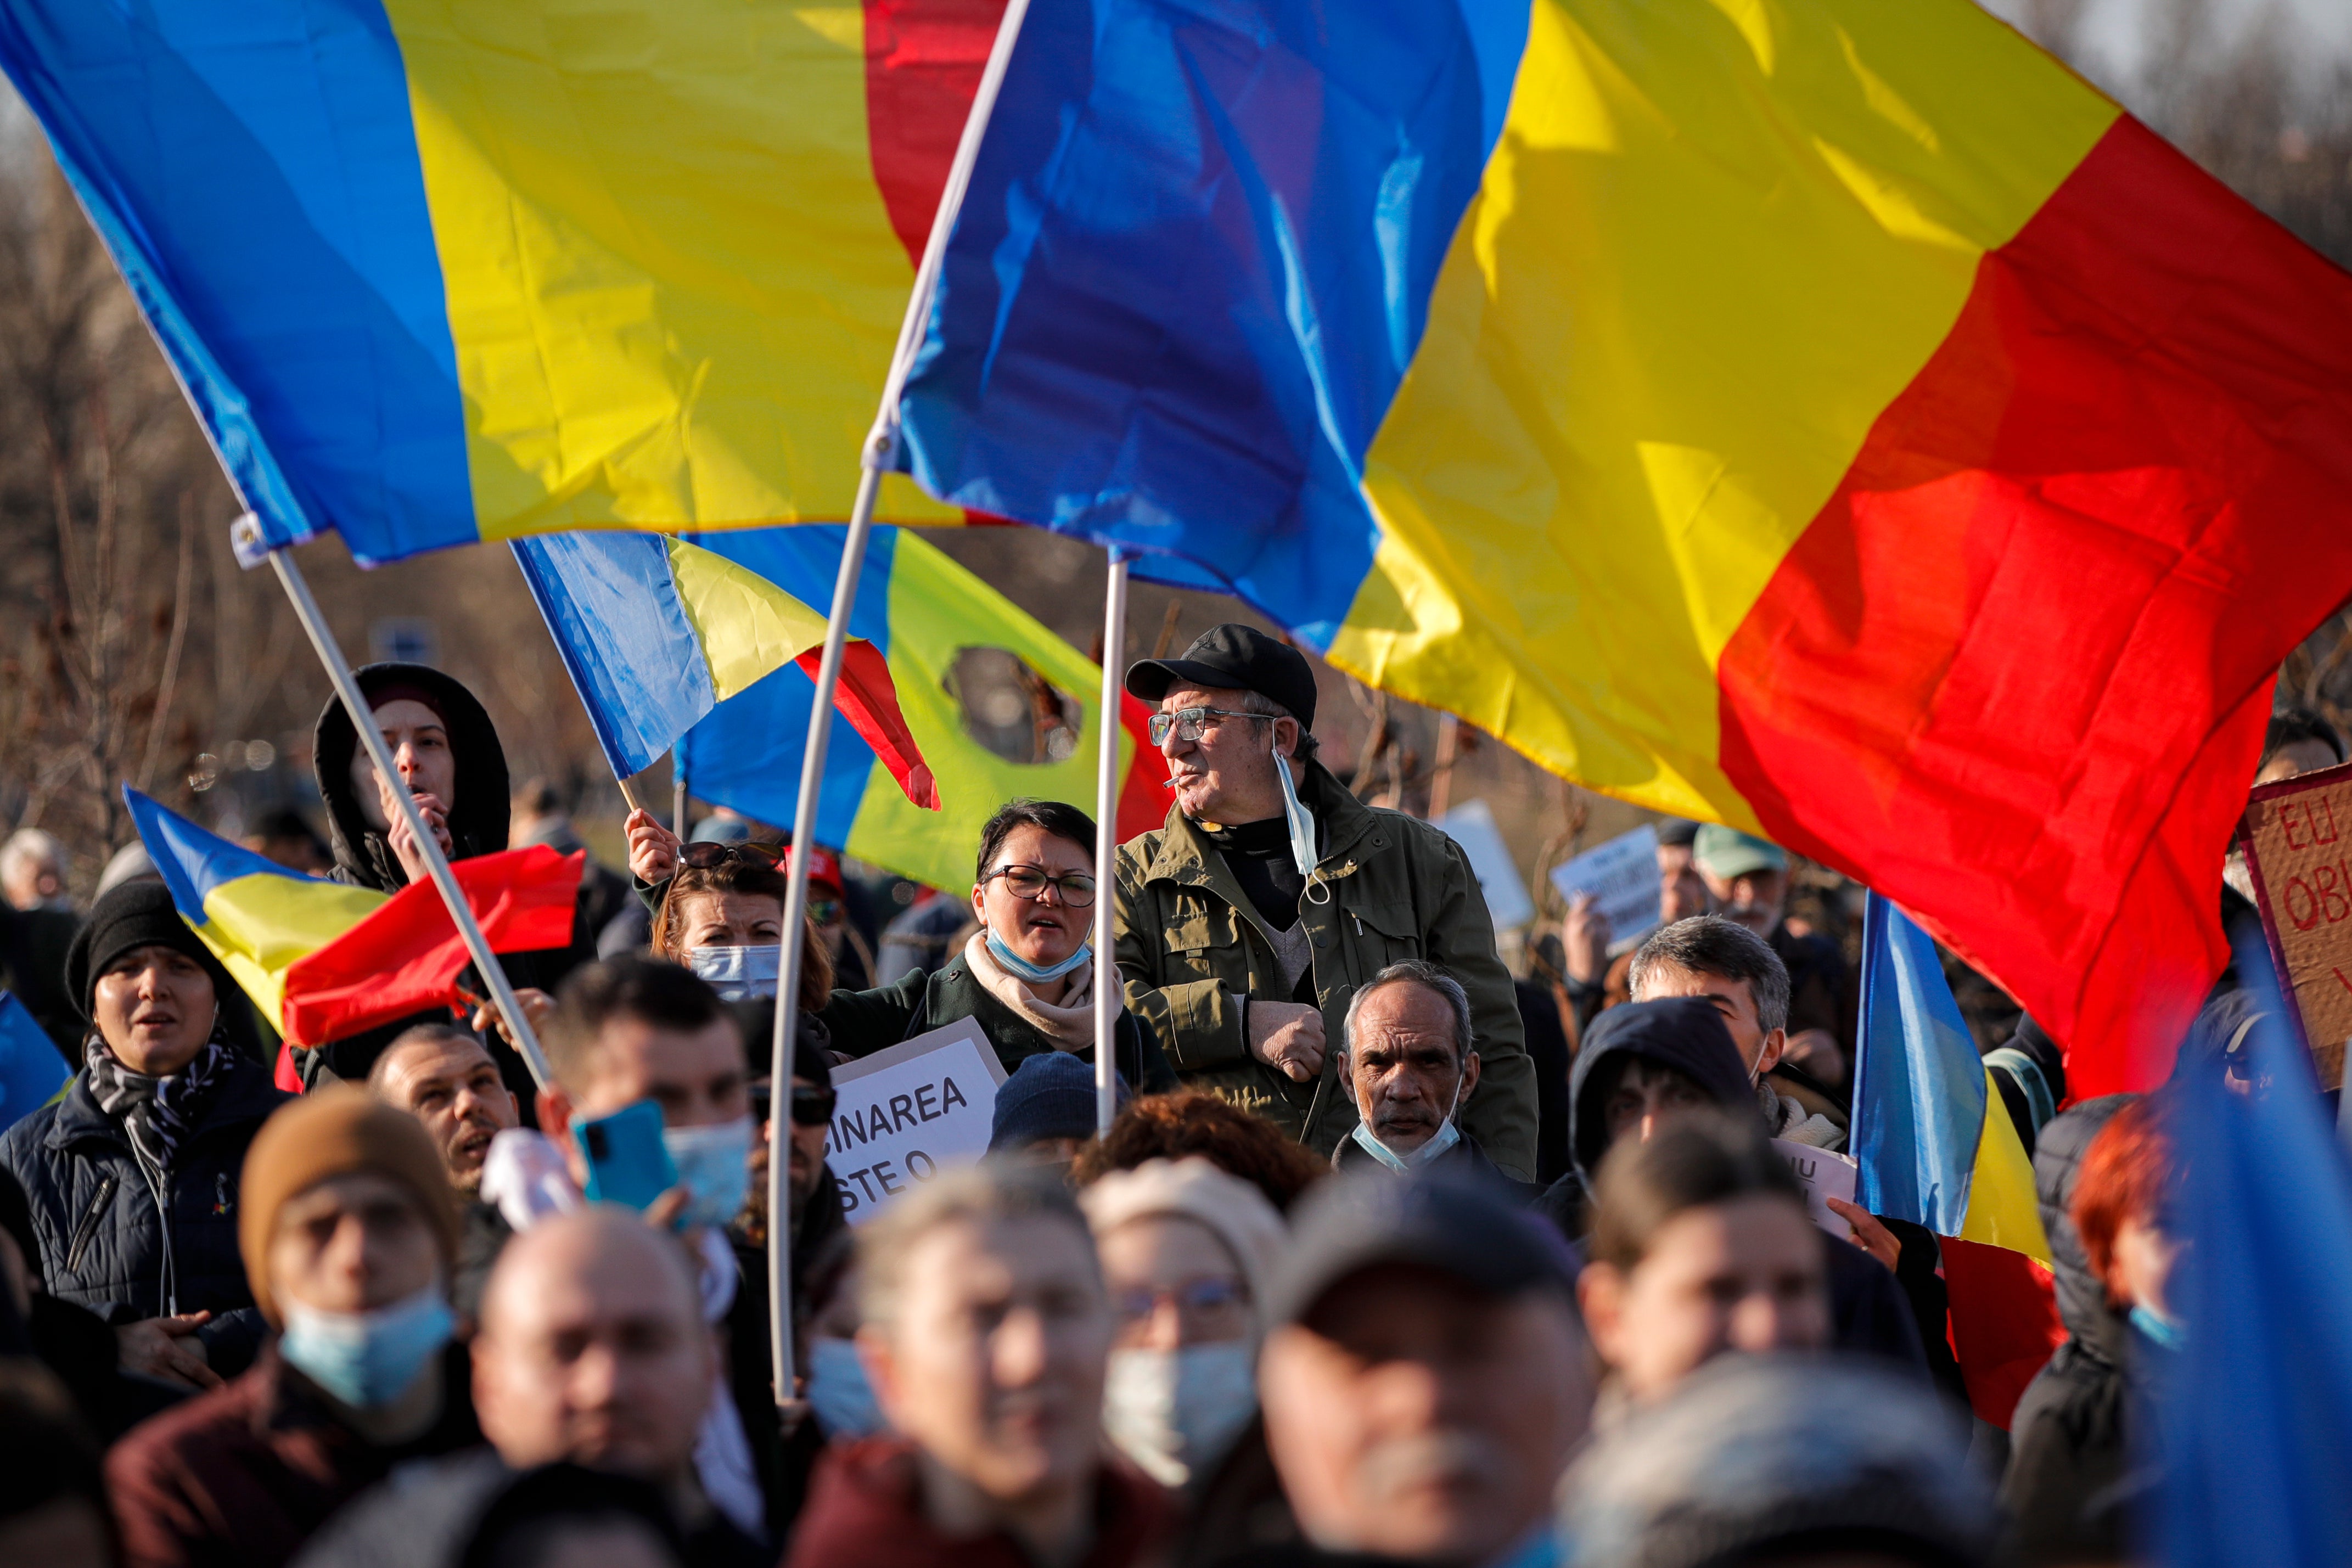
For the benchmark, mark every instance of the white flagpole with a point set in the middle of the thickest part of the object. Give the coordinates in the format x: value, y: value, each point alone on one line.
x: 880, y: 449
x: 1107, y: 731
x: 246, y: 532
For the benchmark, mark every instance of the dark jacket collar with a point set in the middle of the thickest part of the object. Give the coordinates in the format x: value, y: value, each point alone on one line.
x: 245, y: 1095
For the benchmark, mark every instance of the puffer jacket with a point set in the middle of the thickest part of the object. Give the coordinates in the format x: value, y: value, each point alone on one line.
x: 1393, y: 887
x: 2068, y: 1447
x: 103, y: 1246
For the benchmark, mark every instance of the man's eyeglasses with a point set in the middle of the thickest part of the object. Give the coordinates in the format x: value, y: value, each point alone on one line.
x: 1187, y: 723
x: 1030, y: 882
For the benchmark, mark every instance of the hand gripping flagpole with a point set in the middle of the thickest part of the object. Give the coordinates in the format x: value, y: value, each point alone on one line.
x: 880, y: 450
x: 1107, y: 731
x: 245, y: 534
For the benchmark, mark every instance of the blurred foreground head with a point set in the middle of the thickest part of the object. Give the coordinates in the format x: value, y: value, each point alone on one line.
x: 1426, y: 1376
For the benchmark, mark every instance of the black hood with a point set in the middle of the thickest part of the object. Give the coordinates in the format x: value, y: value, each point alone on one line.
x: 478, y: 818
x: 1685, y: 1033
x: 2057, y: 1161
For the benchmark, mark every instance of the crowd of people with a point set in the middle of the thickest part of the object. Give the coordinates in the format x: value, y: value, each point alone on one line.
x: 1388, y: 1255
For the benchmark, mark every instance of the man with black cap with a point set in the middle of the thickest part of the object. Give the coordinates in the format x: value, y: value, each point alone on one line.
x: 1425, y: 1376
x: 1246, y: 922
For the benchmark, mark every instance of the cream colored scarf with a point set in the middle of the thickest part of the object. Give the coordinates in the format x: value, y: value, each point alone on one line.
x: 1069, y: 1023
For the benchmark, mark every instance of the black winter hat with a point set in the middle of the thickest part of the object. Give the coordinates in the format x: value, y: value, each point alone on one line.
x: 1238, y: 657
x: 135, y: 915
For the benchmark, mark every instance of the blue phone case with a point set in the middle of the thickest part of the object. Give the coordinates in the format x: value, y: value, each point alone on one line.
x: 627, y: 1162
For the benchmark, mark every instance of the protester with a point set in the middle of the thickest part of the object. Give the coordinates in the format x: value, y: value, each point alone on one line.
x: 349, y: 1231
x: 1700, y: 1246
x: 656, y: 856
x: 477, y: 1512
x: 1246, y: 921
x: 53, y: 1511
x: 1045, y: 1111
x: 1780, y: 1459
x: 443, y: 1076
x: 1748, y: 880
x: 1648, y: 1064
x: 33, y: 871
x: 627, y: 1030
x: 2104, y: 1175
x: 721, y: 913
x: 1187, y: 1251
x: 33, y: 943
x: 1027, y: 976
x: 1426, y: 1377
x: 133, y: 1175
x: 1714, y: 957
x: 986, y: 1332
x: 447, y: 752
x: 1195, y: 1122
x: 1593, y: 980
x: 2298, y: 741
x: 1409, y: 1062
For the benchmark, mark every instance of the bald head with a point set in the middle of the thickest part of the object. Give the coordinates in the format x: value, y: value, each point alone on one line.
x: 593, y: 1348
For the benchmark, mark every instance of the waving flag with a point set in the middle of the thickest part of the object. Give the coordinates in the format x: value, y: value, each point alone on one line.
x: 1937, y: 1148
x: 1828, y: 417
x: 31, y: 1072
x: 917, y: 614
x: 657, y: 631
x: 321, y: 959
x: 434, y: 272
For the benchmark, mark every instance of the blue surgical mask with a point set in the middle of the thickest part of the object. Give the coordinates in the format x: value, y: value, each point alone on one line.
x: 2161, y: 1330
x: 1175, y: 1412
x: 368, y: 1358
x: 1444, y: 1138
x: 1038, y: 974
x: 714, y: 1166
x: 838, y: 1392
x: 737, y: 973
x: 1298, y: 818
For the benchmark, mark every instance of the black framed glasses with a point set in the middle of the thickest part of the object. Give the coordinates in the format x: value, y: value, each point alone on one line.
x: 1187, y: 723
x: 711, y: 857
x: 1078, y: 889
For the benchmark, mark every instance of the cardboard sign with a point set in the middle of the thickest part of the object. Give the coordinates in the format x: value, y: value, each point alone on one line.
x: 905, y: 1115
x: 2297, y: 837
x: 1472, y: 825
x: 1823, y: 1175
x: 1622, y: 876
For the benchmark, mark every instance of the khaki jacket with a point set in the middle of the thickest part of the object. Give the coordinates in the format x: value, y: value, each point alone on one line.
x: 1393, y: 887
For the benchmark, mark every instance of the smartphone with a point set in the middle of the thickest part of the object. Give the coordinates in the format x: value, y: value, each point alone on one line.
x: 627, y: 1162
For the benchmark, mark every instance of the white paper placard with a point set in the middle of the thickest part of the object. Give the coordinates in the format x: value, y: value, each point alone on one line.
x: 1472, y: 825
x: 908, y: 1112
x: 1823, y: 1175
x: 1622, y: 875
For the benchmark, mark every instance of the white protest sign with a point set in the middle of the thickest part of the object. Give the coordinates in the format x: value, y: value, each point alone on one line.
x: 1472, y: 826
x: 1622, y: 876
x: 904, y: 1114
x: 1823, y: 1175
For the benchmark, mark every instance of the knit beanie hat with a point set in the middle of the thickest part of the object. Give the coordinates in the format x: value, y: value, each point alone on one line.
x: 134, y: 915
x: 333, y: 1131
x: 1049, y: 1095
x: 1235, y: 1212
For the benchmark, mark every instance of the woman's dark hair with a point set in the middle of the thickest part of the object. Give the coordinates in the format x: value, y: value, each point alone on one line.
x: 752, y: 878
x: 2300, y: 724
x: 1195, y: 1122
x: 1061, y: 821
x: 1696, y: 1161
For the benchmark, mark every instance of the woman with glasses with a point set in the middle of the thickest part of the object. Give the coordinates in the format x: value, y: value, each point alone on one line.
x: 1027, y: 977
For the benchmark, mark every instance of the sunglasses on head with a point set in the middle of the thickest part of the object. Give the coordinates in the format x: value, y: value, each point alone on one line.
x: 709, y: 857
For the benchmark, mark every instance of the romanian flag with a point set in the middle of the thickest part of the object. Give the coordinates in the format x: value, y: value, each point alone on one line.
x: 656, y: 632
x: 1937, y: 1147
x: 919, y: 615
x: 434, y: 271
x: 322, y: 959
x: 1829, y: 417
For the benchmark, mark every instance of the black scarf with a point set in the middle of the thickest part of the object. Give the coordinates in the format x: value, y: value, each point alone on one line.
x: 158, y: 1113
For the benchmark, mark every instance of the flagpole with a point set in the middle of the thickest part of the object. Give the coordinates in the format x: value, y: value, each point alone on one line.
x: 245, y: 531
x: 880, y: 450
x: 1107, y: 731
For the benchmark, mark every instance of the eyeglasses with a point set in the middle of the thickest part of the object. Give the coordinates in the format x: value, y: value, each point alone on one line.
x: 1187, y: 723
x: 1209, y: 1302
x: 1078, y: 889
x: 811, y: 1104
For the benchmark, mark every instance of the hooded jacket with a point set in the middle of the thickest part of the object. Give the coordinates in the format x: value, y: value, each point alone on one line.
x: 2067, y: 1438
x: 1868, y: 1310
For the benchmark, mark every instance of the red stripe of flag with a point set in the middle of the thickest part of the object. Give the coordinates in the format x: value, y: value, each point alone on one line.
x: 2005, y: 1323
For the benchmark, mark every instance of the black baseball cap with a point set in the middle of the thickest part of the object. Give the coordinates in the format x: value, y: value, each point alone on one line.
x: 1452, y: 1226
x: 1237, y: 656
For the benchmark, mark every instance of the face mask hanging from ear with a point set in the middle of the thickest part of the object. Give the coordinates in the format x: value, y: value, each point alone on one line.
x: 1300, y: 820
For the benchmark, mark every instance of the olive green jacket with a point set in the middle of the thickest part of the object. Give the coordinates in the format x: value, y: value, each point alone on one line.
x: 1389, y: 887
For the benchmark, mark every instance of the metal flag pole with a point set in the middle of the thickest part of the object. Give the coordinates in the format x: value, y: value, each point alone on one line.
x: 881, y: 448
x: 1106, y: 729
x: 678, y: 790
x: 246, y: 534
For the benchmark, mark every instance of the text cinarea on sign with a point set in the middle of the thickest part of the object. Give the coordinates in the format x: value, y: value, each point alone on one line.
x: 903, y: 1115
